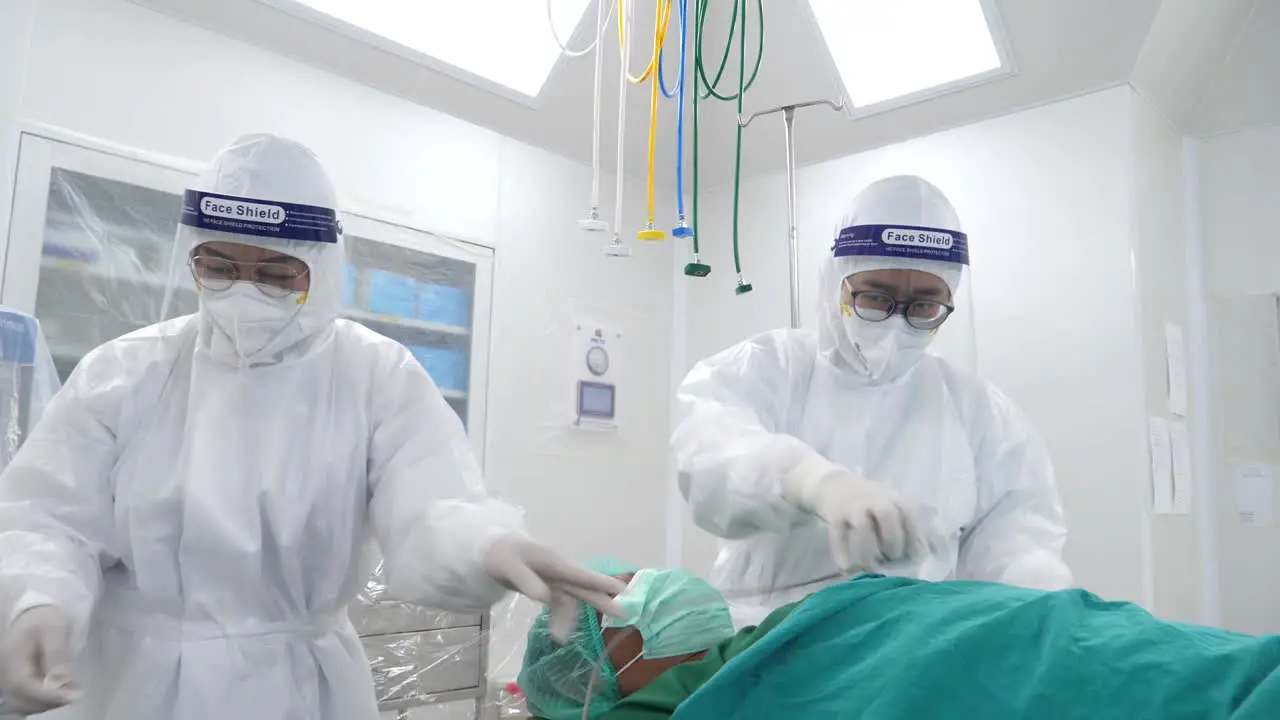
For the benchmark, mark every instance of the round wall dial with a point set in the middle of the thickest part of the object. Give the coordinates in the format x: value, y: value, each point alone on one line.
x: 597, y: 361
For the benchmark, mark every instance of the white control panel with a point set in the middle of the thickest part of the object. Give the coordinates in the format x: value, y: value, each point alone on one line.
x: 595, y: 359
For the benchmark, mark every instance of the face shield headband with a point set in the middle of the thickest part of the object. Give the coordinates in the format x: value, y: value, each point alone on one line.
x: 259, y: 218
x: 907, y: 242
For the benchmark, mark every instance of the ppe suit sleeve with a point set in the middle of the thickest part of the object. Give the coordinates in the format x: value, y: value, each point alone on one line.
x: 731, y: 444
x: 428, y: 506
x: 57, y: 522
x: 1019, y: 537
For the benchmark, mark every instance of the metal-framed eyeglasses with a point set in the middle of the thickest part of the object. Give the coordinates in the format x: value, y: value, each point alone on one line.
x: 273, y: 279
x: 875, y: 306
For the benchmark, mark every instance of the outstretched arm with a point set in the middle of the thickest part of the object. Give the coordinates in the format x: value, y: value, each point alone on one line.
x: 732, y: 451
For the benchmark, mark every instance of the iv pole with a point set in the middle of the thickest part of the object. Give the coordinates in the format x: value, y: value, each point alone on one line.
x: 793, y: 237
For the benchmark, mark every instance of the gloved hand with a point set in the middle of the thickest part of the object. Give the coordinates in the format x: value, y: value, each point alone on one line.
x: 35, y: 662
x: 860, y: 513
x: 536, y: 571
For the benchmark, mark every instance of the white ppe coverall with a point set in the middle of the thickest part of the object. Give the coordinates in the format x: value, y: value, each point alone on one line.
x: 864, y: 398
x: 206, y: 495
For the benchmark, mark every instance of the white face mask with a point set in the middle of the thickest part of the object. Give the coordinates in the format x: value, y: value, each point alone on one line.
x: 883, y: 351
x: 250, y: 320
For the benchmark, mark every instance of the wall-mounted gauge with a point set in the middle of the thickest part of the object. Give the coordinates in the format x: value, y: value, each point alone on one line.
x: 597, y: 361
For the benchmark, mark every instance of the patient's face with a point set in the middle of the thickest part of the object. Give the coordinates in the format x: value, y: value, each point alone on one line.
x: 629, y: 644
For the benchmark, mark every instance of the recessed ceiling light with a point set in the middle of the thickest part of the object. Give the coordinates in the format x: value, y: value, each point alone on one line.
x: 507, y: 42
x: 888, y: 49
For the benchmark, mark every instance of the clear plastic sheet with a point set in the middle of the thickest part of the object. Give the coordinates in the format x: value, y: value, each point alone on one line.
x: 104, y: 256
x: 28, y: 379
x: 422, y: 657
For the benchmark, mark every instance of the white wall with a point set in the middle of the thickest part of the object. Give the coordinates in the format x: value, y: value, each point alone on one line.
x: 1165, y: 296
x: 1045, y: 197
x: 15, y: 36
x: 1239, y: 183
x: 116, y: 72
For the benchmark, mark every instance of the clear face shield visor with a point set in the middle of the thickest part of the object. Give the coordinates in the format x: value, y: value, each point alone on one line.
x: 876, y: 283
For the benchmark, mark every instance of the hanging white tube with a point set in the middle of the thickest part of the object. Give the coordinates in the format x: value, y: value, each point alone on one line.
x: 595, y: 123
x: 593, y: 223
x: 601, y: 20
x: 617, y: 248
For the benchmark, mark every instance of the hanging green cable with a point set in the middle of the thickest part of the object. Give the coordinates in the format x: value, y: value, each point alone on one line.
x: 743, y: 286
x: 696, y: 268
x: 712, y: 91
x: 712, y: 85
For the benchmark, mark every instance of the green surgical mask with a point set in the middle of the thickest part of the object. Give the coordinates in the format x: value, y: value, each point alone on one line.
x: 676, y: 612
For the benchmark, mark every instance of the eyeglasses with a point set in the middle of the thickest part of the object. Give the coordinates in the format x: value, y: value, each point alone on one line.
x: 275, y: 280
x: 875, y: 306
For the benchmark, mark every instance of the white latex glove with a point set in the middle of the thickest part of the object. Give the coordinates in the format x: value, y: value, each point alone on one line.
x: 860, y: 513
x: 35, y: 662
x: 536, y: 571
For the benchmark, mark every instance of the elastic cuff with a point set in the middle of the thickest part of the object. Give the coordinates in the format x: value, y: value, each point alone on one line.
x: 802, y: 482
x: 29, y: 600
x: 490, y: 586
x: 487, y: 539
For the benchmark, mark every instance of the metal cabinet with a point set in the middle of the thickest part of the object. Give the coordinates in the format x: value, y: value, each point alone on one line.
x: 420, y: 656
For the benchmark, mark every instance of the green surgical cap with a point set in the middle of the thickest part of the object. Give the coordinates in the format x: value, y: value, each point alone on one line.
x: 554, y: 677
x: 610, y: 566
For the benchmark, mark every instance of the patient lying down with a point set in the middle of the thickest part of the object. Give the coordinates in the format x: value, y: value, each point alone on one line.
x: 879, y: 648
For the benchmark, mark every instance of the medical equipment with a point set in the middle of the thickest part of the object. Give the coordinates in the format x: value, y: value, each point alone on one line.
x: 604, y: 12
x: 682, y: 228
x: 649, y: 232
x: 793, y: 237
x: 616, y: 248
x: 696, y: 268
x: 594, y: 359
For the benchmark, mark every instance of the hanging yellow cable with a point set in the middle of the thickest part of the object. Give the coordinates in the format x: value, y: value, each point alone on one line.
x: 649, y: 231
x: 659, y: 36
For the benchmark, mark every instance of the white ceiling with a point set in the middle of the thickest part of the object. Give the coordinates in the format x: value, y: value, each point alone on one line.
x: 1194, y: 58
x: 1244, y: 90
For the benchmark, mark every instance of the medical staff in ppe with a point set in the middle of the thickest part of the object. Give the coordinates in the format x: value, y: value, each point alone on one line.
x: 204, y: 498
x: 853, y: 448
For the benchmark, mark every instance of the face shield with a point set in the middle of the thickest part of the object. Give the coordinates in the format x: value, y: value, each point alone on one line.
x: 893, y: 286
x: 270, y: 195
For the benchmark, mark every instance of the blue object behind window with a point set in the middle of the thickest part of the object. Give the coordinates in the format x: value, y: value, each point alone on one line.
x: 447, y: 367
x: 348, y: 286
x: 443, y: 304
x: 18, y: 333
x: 392, y: 294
